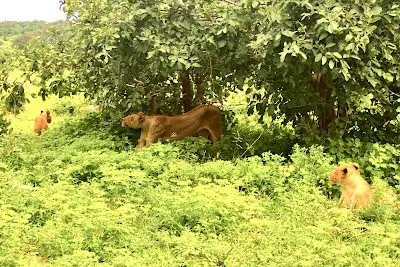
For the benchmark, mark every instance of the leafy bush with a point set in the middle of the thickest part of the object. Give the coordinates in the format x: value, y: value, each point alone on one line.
x: 376, y: 160
x: 65, y: 106
x: 4, y: 125
x: 249, y: 135
x: 72, y: 198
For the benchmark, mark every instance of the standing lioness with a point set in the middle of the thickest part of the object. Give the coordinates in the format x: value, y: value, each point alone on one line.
x: 192, y: 123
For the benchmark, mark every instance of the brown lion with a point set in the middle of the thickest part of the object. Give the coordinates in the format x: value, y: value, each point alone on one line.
x: 41, y: 122
x: 356, y: 192
x: 204, y: 120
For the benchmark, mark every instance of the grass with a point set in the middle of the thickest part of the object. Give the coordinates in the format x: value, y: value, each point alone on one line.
x: 73, y: 200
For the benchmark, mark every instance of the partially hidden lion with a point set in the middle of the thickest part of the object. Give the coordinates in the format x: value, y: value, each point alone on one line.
x: 356, y: 192
x: 204, y: 120
x: 41, y: 122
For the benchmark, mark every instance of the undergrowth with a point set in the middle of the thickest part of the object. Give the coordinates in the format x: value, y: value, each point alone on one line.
x: 81, y: 196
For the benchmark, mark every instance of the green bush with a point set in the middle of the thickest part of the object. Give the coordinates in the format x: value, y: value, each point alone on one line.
x: 76, y: 196
x: 376, y: 160
x: 65, y: 106
x: 4, y: 125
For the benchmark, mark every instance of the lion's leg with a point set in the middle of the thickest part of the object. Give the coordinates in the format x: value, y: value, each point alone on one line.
x: 204, y: 133
x: 151, y: 140
x: 214, y: 136
x: 142, y: 140
x: 155, y: 136
x: 345, y: 201
x: 358, y: 201
x: 341, y: 201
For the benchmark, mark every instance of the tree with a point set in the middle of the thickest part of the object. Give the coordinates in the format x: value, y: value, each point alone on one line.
x: 139, y: 55
x: 331, y: 65
x: 336, y: 61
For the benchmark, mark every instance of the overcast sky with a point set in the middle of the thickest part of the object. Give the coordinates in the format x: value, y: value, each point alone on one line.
x: 28, y: 10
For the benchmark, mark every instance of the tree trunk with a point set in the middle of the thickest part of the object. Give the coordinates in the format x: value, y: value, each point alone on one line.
x: 199, y: 81
x: 152, y: 104
x: 187, y: 93
x: 327, y: 114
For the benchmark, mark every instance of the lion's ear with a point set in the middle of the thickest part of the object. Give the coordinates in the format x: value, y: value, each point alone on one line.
x: 356, y: 166
x: 141, y: 116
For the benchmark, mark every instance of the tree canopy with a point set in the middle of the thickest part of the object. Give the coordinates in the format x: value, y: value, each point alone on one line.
x: 330, y: 66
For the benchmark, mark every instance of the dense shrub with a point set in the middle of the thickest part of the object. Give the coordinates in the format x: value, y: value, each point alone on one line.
x: 376, y: 160
x: 78, y: 197
x: 4, y: 125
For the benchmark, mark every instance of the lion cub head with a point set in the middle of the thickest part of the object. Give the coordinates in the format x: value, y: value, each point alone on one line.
x: 342, y: 172
x: 48, y: 116
x: 134, y: 120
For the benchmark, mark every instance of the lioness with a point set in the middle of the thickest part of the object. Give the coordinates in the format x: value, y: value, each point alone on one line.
x: 356, y: 191
x: 41, y: 121
x: 202, y: 120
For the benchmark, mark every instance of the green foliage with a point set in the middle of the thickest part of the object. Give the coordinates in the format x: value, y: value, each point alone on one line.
x: 379, y: 160
x: 65, y: 106
x: 331, y: 62
x: 81, y: 202
x: 324, y: 67
x: 13, y: 28
x: 4, y: 125
x: 16, y: 99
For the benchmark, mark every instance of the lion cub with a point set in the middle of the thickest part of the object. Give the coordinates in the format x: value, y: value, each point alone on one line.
x: 356, y: 192
x: 41, y: 122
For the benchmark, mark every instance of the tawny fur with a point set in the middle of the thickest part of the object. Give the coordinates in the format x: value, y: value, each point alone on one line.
x: 41, y: 122
x: 204, y: 120
x: 356, y: 192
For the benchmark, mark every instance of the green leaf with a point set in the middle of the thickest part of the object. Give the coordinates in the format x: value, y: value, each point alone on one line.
x: 330, y: 45
x: 150, y: 54
x: 388, y: 77
x: 350, y: 46
x: 288, y: 33
x: 221, y: 43
x: 303, y: 55
x: 348, y: 37
x: 331, y: 64
x: 283, y: 55
x: 318, y: 57
x: 373, y: 81
x: 308, y: 46
x: 324, y: 59
x: 322, y: 36
x: 375, y: 11
x: 254, y: 4
x: 295, y: 48
x: 336, y: 54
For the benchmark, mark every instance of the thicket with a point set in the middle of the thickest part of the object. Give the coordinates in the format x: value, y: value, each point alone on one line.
x: 78, y: 197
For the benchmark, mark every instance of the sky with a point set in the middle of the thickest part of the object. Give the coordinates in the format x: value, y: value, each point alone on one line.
x: 28, y: 10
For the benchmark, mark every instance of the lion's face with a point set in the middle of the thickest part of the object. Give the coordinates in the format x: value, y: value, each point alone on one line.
x: 339, y: 175
x: 133, y: 120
